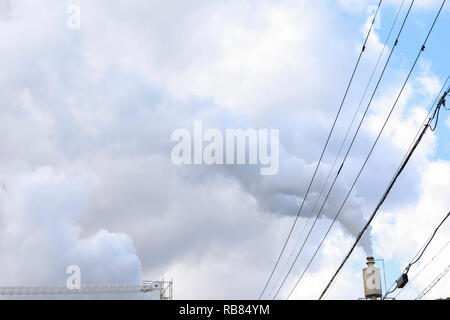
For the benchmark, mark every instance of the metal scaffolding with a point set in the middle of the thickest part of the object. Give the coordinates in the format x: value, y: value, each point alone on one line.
x: 164, y: 288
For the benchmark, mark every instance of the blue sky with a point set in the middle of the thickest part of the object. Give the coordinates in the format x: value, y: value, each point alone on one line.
x: 414, y: 35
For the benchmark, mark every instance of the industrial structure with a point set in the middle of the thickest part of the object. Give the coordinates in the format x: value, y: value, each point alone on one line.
x: 164, y: 288
x: 372, y: 280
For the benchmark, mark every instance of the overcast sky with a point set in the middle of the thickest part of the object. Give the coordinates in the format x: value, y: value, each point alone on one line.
x: 86, y: 117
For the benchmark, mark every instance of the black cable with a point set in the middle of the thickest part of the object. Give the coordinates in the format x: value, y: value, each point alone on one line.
x: 433, y: 283
x: 442, y: 287
x: 391, y: 289
x: 350, y: 147
x: 398, y: 172
x: 430, y: 110
x: 343, y: 142
x: 420, y: 252
x: 401, y: 167
x: 427, y: 244
x: 437, y: 111
x: 323, y: 151
x: 420, y: 272
x: 432, y: 107
x: 418, y: 133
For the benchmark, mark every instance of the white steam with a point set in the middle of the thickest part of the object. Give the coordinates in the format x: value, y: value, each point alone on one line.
x: 39, y: 236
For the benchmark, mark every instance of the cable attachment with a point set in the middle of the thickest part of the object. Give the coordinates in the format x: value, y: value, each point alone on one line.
x: 436, y: 112
x: 442, y: 102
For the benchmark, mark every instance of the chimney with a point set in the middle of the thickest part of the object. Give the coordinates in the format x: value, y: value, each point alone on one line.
x: 372, y: 280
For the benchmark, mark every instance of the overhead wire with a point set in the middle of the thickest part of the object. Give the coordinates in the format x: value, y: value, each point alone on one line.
x: 430, y: 110
x: 349, y: 148
x: 433, y: 283
x: 371, y: 151
x: 443, y: 285
x: 404, y: 163
x: 393, y: 286
x: 341, y: 146
x: 423, y: 269
x: 427, y: 244
x: 399, y: 171
x: 421, y: 251
x: 324, y: 149
x: 414, y: 142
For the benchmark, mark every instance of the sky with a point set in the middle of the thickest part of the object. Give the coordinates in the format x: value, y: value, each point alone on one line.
x: 86, y: 117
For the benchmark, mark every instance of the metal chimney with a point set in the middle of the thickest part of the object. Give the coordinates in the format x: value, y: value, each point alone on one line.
x: 372, y: 280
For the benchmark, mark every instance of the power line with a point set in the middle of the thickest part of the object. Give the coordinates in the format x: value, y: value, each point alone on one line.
x: 325, y: 147
x: 436, y: 112
x: 443, y: 286
x: 412, y: 145
x: 392, y: 289
x: 375, y: 143
x: 409, y: 149
x: 421, y: 251
x: 350, y: 146
x: 399, y: 171
x: 430, y: 110
x: 342, y: 144
x: 427, y: 244
x: 418, y: 273
x: 433, y: 283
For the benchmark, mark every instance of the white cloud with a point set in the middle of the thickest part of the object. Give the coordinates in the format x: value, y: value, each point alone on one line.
x: 40, y: 237
x: 101, y: 103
